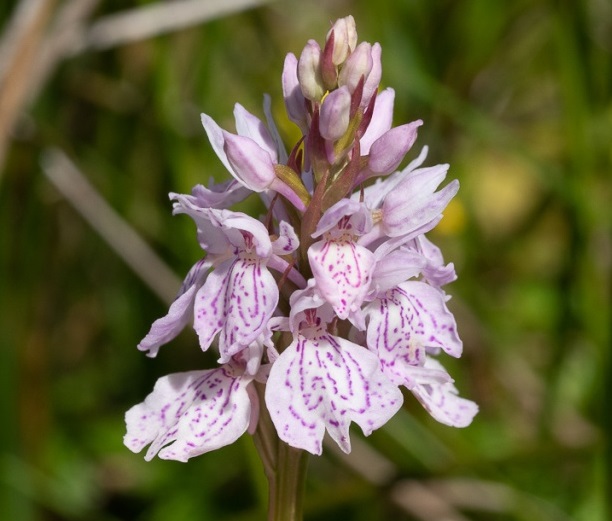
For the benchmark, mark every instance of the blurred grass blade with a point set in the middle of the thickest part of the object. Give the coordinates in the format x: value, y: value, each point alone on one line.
x: 120, y: 236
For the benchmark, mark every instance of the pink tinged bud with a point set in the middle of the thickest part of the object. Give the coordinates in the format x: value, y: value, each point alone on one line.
x: 387, y: 152
x: 373, y: 79
x: 335, y: 114
x: 329, y: 71
x: 252, y: 165
x: 345, y: 39
x: 309, y: 72
x: 358, y: 64
x: 294, y: 99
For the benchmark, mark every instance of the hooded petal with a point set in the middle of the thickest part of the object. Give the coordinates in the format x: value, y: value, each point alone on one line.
x: 252, y: 127
x: 287, y: 241
x: 191, y: 413
x: 325, y: 383
x: 251, y: 164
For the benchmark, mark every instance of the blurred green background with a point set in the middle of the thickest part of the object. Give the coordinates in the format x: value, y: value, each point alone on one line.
x: 516, y: 95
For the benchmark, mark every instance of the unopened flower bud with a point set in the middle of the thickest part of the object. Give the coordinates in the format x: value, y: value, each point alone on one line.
x: 294, y: 100
x: 252, y: 165
x: 387, y: 152
x: 309, y: 72
x: 345, y: 39
x: 372, y: 81
x: 335, y: 114
x: 358, y: 64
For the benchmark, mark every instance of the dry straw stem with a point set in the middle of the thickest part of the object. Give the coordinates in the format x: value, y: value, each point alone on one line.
x: 18, y: 51
x: 28, y: 58
x: 160, y: 18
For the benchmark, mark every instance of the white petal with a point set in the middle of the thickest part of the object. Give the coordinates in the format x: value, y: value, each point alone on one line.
x: 180, y: 313
x: 436, y: 392
x: 326, y: 383
x: 251, y: 298
x: 191, y: 413
x: 408, y: 321
x: 343, y: 271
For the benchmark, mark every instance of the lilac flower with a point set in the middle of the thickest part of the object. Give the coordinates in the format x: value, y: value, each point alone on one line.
x: 333, y: 299
x: 324, y: 382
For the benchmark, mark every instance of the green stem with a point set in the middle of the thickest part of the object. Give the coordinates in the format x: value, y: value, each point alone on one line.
x: 285, y: 468
x: 287, y: 489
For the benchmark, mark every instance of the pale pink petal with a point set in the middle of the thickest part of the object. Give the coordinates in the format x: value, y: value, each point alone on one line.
x: 343, y: 270
x: 409, y: 321
x: 251, y: 126
x: 381, y: 121
x: 180, y: 313
x: 280, y: 145
x: 294, y: 99
x: 395, y: 268
x: 414, y: 203
x: 210, y: 304
x: 219, y: 195
x: 287, y: 241
x: 326, y: 383
x: 251, y: 298
x: 434, y: 388
x: 435, y: 272
x: 191, y: 413
x: 217, y: 140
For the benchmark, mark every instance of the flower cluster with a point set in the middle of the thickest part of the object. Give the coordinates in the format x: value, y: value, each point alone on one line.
x: 333, y: 300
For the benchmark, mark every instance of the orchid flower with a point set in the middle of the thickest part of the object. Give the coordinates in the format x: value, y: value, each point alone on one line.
x: 324, y: 306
